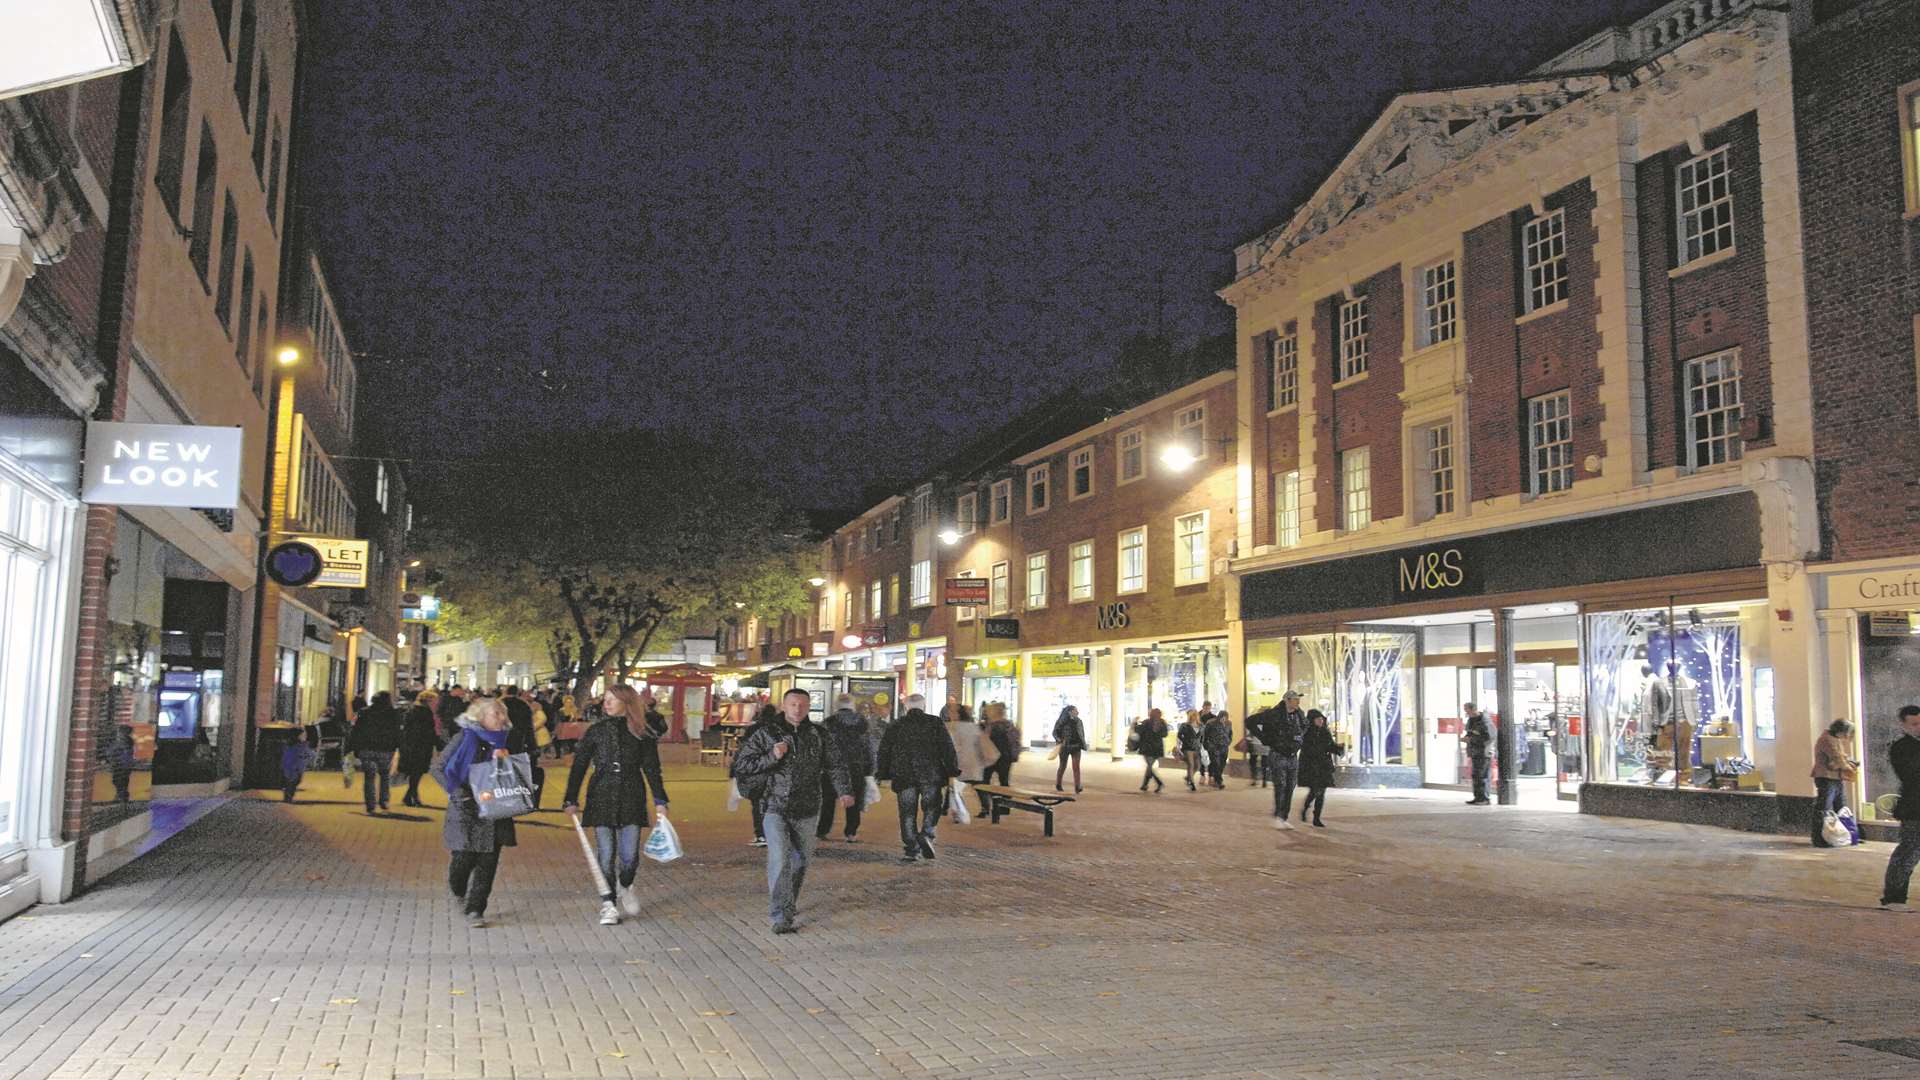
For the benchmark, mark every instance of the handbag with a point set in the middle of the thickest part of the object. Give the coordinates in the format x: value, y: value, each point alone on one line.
x: 502, y: 787
x: 1133, y: 743
x: 663, y: 844
x: 1054, y: 753
x: 1848, y: 822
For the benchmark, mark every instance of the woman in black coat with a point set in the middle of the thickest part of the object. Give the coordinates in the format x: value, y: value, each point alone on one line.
x: 419, y: 741
x: 1317, y: 751
x: 623, y: 752
x: 1071, y: 734
x: 1150, y: 742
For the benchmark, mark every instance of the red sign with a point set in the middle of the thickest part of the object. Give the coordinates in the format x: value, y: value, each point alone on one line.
x: 967, y: 592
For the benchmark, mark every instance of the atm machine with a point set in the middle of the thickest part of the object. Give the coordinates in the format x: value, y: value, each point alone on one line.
x: 181, y: 700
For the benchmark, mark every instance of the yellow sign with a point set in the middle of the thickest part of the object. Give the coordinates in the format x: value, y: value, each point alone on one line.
x: 345, y: 562
x: 1056, y: 665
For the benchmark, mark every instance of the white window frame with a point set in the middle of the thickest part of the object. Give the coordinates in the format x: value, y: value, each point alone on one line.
x: 1036, y: 576
x: 1703, y: 204
x: 1283, y: 372
x: 1356, y: 488
x: 966, y: 513
x: 922, y: 584
x: 1286, y: 509
x: 1543, y: 248
x: 1000, y: 588
x: 1000, y: 496
x: 1716, y: 404
x: 1190, y: 428
x: 1550, y: 443
x: 1121, y: 588
x: 1081, y: 459
x: 1437, y: 303
x: 1356, y: 318
x: 1132, y: 441
x: 964, y: 613
x: 1040, y: 479
x: 876, y: 595
x: 1191, y: 566
x: 1080, y: 571
x: 1435, y: 447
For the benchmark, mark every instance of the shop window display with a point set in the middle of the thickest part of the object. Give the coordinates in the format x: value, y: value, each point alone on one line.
x: 1670, y: 693
x: 1363, y: 681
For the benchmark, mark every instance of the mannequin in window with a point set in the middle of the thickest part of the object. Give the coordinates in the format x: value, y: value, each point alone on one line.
x: 1675, y: 734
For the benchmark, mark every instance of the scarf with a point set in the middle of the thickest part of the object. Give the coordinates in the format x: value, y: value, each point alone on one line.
x: 460, y: 759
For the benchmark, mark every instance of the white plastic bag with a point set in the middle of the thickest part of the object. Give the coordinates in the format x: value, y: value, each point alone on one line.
x: 1206, y: 760
x: 957, y: 799
x: 873, y: 793
x: 733, y: 796
x: 663, y: 844
x: 1833, y: 832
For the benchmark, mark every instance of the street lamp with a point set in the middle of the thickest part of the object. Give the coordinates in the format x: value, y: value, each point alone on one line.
x: 414, y: 565
x: 1179, y: 457
x: 949, y: 536
x: 285, y: 358
x: 816, y: 581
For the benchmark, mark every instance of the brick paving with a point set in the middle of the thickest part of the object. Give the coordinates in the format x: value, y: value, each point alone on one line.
x: 1156, y: 936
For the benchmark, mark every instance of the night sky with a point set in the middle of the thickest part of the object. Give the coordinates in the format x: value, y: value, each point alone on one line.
x: 847, y: 236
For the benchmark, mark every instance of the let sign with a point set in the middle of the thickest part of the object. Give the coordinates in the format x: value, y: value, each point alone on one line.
x: 162, y: 465
x: 967, y: 592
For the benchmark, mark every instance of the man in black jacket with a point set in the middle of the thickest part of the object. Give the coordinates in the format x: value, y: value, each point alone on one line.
x: 520, y: 720
x: 1479, y: 742
x: 1904, y: 756
x: 918, y: 756
x: 782, y: 764
x: 848, y: 730
x: 1279, y: 730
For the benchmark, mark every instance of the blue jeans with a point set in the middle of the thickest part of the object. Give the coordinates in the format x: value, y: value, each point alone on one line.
x: 789, y: 848
x: 1284, y: 771
x: 1900, y: 868
x: 374, y: 767
x: 920, y: 810
x: 624, y: 841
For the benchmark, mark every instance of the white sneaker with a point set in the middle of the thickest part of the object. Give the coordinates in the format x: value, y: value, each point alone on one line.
x: 609, y: 915
x: 1282, y: 823
x: 1895, y: 907
x: 629, y: 901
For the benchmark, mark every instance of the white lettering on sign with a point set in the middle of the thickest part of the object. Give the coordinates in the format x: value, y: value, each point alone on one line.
x: 162, y: 465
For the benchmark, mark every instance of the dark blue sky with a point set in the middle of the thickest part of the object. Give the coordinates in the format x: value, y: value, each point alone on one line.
x: 849, y: 235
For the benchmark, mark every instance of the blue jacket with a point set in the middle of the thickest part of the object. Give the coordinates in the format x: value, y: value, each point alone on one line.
x: 293, y: 759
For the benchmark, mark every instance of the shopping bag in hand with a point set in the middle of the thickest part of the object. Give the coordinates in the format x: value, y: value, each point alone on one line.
x: 502, y: 786
x: 872, y: 794
x: 346, y: 769
x: 663, y: 844
x: 733, y: 796
x: 957, y: 800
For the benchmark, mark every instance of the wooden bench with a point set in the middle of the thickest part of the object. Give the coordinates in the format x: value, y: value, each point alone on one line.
x: 1003, y: 799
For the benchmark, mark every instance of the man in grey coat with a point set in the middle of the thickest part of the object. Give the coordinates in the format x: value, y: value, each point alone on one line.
x: 788, y: 765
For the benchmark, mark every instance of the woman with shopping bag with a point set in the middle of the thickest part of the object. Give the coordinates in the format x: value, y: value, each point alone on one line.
x: 1834, y: 767
x: 623, y: 753
x: 475, y: 842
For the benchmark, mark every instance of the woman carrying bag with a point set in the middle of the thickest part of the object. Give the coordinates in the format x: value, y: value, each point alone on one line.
x: 1317, y: 751
x: 623, y: 752
x: 1071, y: 735
x: 475, y: 842
x: 1834, y: 767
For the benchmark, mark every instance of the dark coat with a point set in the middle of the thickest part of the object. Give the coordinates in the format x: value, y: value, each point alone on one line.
x: 375, y: 731
x: 464, y: 828
x: 447, y: 711
x: 1187, y: 737
x: 793, y: 782
x: 1279, y: 729
x: 624, y: 767
x: 917, y: 752
x: 1904, y: 756
x: 1153, y: 738
x: 849, y: 732
x: 419, y: 741
x: 520, y: 719
x: 1317, y: 750
x: 1006, y: 740
x: 1217, y: 736
x: 1478, y: 735
x: 1069, y: 732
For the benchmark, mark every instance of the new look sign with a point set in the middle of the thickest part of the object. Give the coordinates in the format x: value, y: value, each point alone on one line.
x: 162, y: 465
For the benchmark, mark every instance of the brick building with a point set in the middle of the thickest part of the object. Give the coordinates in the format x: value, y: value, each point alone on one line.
x: 1525, y: 389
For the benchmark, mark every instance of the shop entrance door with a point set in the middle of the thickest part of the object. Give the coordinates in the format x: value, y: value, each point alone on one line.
x: 1546, y: 738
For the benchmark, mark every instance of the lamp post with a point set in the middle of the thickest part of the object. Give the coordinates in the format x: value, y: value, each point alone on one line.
x: 280, y: 395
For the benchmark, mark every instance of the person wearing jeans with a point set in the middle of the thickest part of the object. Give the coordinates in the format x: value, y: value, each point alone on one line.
x: 1479, y: 740
x: 780, y: 763
x: 1833, y: 769
x: 848, y: 730
x: 623, y: 752
x: 917, y: 757
x: 374, y: 738
x: 1904, y: 756
x: 1280, y: 730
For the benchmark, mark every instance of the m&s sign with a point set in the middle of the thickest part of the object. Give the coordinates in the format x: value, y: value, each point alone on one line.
x: 1433, y: 572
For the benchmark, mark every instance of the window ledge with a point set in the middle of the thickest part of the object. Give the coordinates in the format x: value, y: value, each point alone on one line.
x: 1130, y: 592
x: 1703, y: 262
x: 1082, y: 600
x: 1351, y: 380
x: 1424, y: 351
x: 1530, y: 497
x: 1554, y: 308
x: 1284, y: 409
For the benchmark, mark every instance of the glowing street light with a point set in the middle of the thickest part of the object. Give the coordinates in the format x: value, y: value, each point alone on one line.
x: 816, y: 581
x: 1178, y: 457
x: 287, y: 356
x: 949, y: 537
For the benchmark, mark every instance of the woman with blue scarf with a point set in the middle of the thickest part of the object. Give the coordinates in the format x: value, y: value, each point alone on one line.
x: 475, y: 842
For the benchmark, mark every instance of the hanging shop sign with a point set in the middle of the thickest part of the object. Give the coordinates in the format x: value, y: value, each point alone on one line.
x: 1003, y: 628
x: 346, y: 562
x: 794, y: 653
x: 1056, y: 665
x: 162, y: 465
x: 967, y: 592
x: 427, y: 609
x: 294, y: 564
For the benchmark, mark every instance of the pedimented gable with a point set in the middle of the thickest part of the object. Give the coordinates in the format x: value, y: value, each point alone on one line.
x: 1416, y: 137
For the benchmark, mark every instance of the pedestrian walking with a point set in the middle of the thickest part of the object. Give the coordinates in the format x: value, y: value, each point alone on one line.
x: 756, y: 802
x: 848, y: 730
x: 520, y: 716
x: 293, y: 763
x: 120, y: 760
x: 1317, y: 751
x: 1187, y: 741
x: 784, y: 761
x: 1004, y: 739
x: 1256, y: 751
x: 447, y: 710
x: 877, y: 723
x: 623, y: 754
x: 419, y: 741
x: 918, y: 760
x: 1479, y: 740
x: 373, y: 740
x: 1071, y: 736
x: 1150, y: 742
x: 1834, y: 767
x: 474, y: 842
x: 1904, y: 756
x: 1281, y: 730
x: 965, y: 734
x: 1216, y: 738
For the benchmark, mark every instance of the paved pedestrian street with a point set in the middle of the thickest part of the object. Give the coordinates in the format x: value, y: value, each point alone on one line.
x: 1173, y: 935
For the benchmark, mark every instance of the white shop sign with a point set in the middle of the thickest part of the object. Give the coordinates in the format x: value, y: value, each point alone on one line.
x: 1875, y: 590
x: 345, y: 561
x: 162, y: 465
